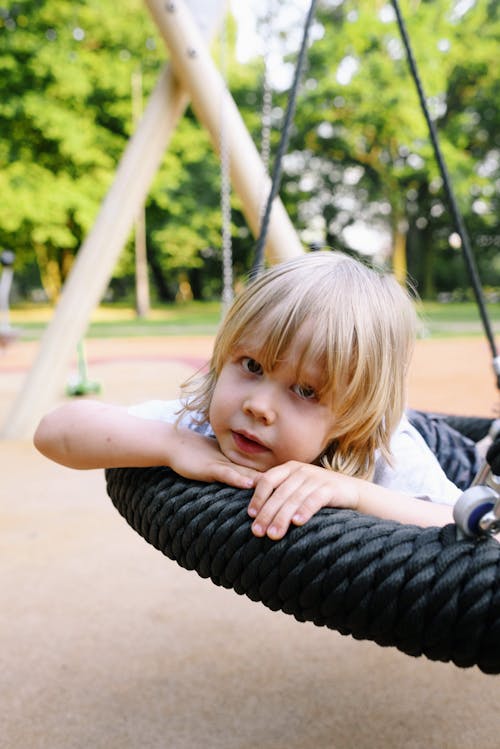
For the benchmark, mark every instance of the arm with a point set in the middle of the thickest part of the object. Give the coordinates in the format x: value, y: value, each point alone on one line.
x: 90, y: 434
x: 293, y: 492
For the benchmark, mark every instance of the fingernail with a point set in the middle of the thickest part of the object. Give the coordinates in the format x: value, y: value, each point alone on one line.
x: 252, y: 512
x: 257, y: 529
x: 273, y: 532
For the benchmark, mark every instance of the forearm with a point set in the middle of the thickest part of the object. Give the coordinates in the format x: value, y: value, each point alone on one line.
x: 89, y: 434
x: 389, y: 505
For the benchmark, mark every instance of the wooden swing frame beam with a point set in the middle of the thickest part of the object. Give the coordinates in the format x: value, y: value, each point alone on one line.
x: 191, y: 75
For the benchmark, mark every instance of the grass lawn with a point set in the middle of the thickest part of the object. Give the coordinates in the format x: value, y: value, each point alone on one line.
x: 112, y: 321
x: 457, y: 319
x: 202, y: 318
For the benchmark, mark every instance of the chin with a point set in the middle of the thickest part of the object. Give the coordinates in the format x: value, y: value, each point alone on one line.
x: 241, y: 460
x: 247, y: 461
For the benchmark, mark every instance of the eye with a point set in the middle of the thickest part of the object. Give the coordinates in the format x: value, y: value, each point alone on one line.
x: 306, y: 392
x: 251, y: 366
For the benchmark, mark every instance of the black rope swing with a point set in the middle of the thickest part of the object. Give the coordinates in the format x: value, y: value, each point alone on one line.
x: 428, y: 592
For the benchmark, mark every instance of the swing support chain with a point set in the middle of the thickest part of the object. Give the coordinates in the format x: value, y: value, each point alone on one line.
x: 225, y: 179
x: 258, y: 264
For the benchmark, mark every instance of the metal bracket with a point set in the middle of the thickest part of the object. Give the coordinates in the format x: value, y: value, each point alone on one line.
x: 477, y: 510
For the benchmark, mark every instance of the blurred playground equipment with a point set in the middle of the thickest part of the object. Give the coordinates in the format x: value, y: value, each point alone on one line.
x: 79, y: 383
x: 187, y: 28
x: 7, y: 332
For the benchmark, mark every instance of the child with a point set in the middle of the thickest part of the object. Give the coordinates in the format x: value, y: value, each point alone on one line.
x: 303, y: 402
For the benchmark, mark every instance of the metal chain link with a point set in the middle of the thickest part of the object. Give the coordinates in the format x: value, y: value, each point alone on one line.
x: 225, y: 198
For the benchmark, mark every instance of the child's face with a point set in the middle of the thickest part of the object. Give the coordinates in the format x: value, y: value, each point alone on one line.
x: 263, y: 418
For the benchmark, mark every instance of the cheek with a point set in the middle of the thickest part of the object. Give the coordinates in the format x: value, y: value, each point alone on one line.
x: 328, y: 436
x: 214, y: 409
x: 320, y: 434
x: 220, y: 404
x: 303, y: 440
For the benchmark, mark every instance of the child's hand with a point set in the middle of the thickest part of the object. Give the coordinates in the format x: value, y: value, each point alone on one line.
x: 293, y: 492
x: 199, y: 458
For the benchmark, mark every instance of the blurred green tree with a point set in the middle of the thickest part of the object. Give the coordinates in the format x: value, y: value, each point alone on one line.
x: 65, y: 114
x: 362, y: 157
x: 360, y: 172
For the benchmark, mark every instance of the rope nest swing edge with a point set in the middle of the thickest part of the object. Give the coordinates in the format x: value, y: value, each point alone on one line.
x: 421, y: 591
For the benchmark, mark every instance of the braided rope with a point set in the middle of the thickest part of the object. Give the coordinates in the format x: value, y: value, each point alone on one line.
x: 419, y: 590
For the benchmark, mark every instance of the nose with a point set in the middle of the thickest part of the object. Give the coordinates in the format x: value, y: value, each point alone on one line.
x: 261, y: 405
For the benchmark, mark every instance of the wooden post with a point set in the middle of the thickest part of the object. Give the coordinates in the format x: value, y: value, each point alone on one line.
x: 196, y: 70
x: 97, y: 257
x: 142, y: 296
x: 399, y: 265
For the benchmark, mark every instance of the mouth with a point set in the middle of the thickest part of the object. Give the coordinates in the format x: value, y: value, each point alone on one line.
x: 247, y: 443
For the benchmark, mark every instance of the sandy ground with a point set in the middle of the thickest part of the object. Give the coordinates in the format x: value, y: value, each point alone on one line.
x: 105, y: 643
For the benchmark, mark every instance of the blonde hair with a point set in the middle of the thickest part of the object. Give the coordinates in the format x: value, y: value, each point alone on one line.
x: 362, y: 334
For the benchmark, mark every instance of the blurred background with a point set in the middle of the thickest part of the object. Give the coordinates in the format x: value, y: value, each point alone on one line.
x: 359, y: 173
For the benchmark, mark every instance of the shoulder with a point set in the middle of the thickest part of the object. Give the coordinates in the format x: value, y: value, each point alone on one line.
x: 414, y: 470
x: 171, y: 412
x: 157, y: 410
x: 406, y: 436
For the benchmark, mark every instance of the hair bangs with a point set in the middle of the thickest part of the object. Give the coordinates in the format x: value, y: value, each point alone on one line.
x: 267, y: 324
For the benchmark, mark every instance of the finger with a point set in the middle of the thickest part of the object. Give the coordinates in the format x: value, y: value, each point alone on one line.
x: 239, y: 477
x: 301, y: 503
x: 275, y: 515
x: 277, y: 526
x: 326, y: 494
x: 308, y: 507
x: 269, y: 494
x: 292, y: 508
x: 265, y: 486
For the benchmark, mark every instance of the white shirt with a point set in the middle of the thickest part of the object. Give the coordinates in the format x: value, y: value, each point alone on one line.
x: 415, y: 470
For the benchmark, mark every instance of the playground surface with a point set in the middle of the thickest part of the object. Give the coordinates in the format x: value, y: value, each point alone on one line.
x: 107, y: 644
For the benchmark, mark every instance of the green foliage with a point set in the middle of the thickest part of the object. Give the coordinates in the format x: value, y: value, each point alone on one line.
x: 65, y: 114
x: 362, y: 146
x: 360, y: 151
